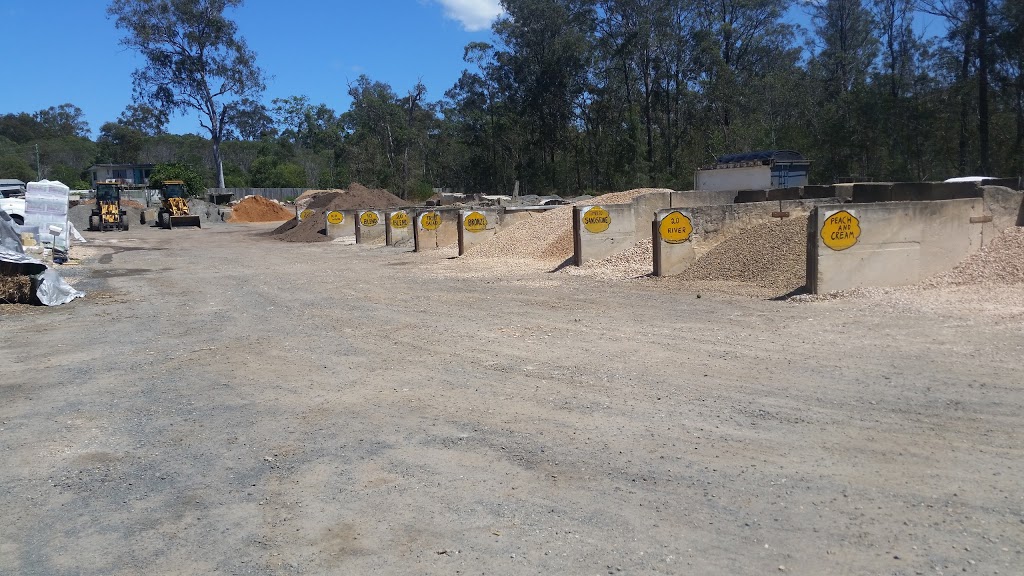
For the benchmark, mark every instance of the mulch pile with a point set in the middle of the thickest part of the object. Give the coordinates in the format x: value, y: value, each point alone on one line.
x: 314, y: 229
x: 15, y: 289
x: 259, y: 209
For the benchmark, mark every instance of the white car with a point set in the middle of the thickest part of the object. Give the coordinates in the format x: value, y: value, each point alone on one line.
x: 15, y: 208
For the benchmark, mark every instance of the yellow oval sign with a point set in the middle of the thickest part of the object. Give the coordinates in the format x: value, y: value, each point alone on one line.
x: 475, y: 222
x: 675, y: 228
x: 335, y: 217
x: 430, y: 221
x: 399, y: 220
x: 369, y: 219
x: 596, y: 220
x: 840, y: 230
x: 307, y: 213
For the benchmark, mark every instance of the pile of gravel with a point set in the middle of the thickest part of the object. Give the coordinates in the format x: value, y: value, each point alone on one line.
x: 314, y: 229
x: 15, y: 289
x: 772, y: 255
x: 546, y: 236
x: 634, y: 262
x: 999, y: 263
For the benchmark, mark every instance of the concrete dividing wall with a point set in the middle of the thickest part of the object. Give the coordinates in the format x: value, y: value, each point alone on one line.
x: 477, y: 226
x: 445, y: 234
x: 347, y: 227
x: 672, y: 235
x: 398, y: 225
x: 694, y: 198
x: 645, y: 207
x: 601, y: 231
x: 891, y: 243
x: 369, y: 226
x: 712, y: 224
x: 1005, y: 207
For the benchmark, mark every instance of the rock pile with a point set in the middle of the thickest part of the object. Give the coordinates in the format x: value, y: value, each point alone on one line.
x: 314, y: 229
x: 15, y: 289
x: 999, y: 263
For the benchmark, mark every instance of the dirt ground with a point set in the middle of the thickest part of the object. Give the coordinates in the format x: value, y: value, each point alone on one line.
x: 223, y: 402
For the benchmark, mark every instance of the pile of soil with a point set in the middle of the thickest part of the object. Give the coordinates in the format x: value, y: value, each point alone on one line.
x: 15, y: 290
x: 314, y: 229
x: 259, y: 209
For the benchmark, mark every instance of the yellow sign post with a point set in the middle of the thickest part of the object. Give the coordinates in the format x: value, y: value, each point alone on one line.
x: 475, y: 222
x: 368, y: 219
x: 596, y: 220
x: 430, y: 221
x: 399, y: 220
x: 307, y: 213
x: 675, y: 228
x: 840, y: 230
x: 335, y: 217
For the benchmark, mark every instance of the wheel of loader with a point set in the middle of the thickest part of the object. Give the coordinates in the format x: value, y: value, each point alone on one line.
x: 124, y: 224
x: 142, y: 218
x: 165, y: 220
x: 94, y: 223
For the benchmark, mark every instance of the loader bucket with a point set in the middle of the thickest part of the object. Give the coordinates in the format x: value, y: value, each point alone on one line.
x: 178, y: 221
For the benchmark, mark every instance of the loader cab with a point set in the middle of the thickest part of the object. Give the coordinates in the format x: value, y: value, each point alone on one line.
x: 173, y: 189
x: 107, y: 193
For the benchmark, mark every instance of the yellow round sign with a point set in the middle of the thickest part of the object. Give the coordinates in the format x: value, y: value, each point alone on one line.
x: 368, y: 219
x: 399, y: 220
x: 475, y: 222
x: 307, y: 213
x: 430, y: 221
x: 596, y: 220
x: 675, y: 228
x: 840, y: 230
x: 335, y: 217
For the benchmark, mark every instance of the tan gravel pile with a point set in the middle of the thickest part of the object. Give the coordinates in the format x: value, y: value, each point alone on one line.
x: 635, y: 261
x: 1001, y: 263
x: 15, y: 289
x: 546, y: 236
x: 772, y: 255
x: 259, y: 209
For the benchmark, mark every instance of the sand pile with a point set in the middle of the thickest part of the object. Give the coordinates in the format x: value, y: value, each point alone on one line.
x: 314, y: 229
x: 259, y: 209
x: 546, y: 236
x: 15, y: 290
x: 999, y: 263
x: 633, y: 262
x: 772, y: 255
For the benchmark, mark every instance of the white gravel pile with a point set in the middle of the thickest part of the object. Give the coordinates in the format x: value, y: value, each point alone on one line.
x: 1000, y: 263
x: 634, y: 262
x: 545, y: 236
x: 772, y: 255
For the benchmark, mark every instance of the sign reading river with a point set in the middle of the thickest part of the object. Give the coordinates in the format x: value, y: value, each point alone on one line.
x: 675, y: 228
x: 596, y: 220
x: 840, y: 230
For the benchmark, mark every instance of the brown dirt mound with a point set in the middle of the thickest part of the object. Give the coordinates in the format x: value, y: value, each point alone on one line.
x: 132, y: 204
x: 546, y: 236
x: 772, y: 255
x: 259, y: 209
x: 315, y: 229
x: 999, y: 263
x: 15, y: 289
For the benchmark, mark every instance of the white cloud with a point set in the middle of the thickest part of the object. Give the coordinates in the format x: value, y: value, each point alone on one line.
x: 474, y: 15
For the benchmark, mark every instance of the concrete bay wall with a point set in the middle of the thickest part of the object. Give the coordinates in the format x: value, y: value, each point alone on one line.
x: 347, y: 227
x: 672, y: 253
x: 477, y: 226
x: 600, y: 231
x: 446, y: 234
x: 369, y: 226
x: 892, y: 243
x: 398, y: 226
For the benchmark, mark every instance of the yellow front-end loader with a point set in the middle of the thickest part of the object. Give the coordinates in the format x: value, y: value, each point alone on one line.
x: 174, y: 206
x: 108, y: 215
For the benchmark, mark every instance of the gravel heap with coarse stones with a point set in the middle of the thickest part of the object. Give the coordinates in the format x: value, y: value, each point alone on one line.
x: 546, y: 236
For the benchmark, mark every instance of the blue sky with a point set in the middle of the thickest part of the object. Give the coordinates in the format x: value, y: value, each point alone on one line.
x: 307, y: 47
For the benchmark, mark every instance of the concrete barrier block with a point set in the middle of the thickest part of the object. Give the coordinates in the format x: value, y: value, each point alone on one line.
x: 694, y: 198
x: 435, y: 228
x: 1005, y: 207
x: 341, y: 223
x: 818, y: 192
x: 889, y: 244
x: 398, y: 225
x: 784, y: 194
x: 601, y: 231
x: 872, y: 192
x: 672, y: 235
x: 744, y: 196
x: 370, y: 226
x: 644, y: 209
x: 476, y: 227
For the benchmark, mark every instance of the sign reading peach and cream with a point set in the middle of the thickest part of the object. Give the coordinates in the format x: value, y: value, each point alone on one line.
x: 596, y: 219
x: 840, y: 230
x: 475, y: 222
x: 675, y: 228
x: 335, y: 217
x: 430, y: 220
x: 400, y: 220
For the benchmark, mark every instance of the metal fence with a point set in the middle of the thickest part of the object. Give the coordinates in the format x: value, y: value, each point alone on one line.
x: 281, y: 194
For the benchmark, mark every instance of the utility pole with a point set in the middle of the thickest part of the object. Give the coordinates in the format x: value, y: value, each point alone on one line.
x: 39, y: 169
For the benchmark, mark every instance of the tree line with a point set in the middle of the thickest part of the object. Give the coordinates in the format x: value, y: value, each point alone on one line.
x: 580, y: 95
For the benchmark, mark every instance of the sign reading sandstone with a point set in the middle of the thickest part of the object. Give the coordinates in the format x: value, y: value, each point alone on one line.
x: 596, y: 220
x: 675, y: 228
x: 335, y: 217
x: 475, y: 222
x: 840, y: 230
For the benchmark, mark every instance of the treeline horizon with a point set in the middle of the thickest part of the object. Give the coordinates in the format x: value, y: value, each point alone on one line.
x: 597, y: 95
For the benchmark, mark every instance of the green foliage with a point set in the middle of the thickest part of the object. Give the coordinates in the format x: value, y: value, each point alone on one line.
x: 193, y: 181
x: 71, y: 177
x: 16, y: 168
x: 269, y: 172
